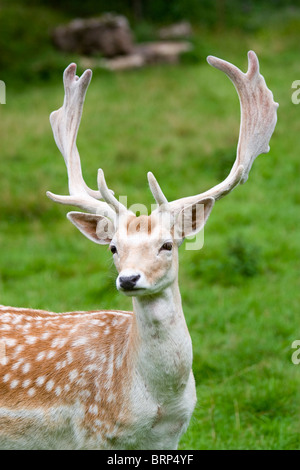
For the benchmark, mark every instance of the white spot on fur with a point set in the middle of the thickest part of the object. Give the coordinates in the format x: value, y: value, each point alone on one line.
x: 45, y: 335
x: 84, y: 394
x: 55, y: 342
x: 31, y: 339
x: 17, y: 364
x: 92, y: 368
x: 41, y: 355
x: 79, y: 341
x: 60, y: 365
x: 26, y: 368
x: 91, y: 353
x: 69, y: 357
x: 4, y: 361
x: 73, y: 375
x: 5, y: 327
x: 31, y: 392
x: 14, y: 383
x: 40, y: 380
x: 51, y: 354
x: 49, y: 385
x: 18, y: 350
x: 93, y: 409
x: 10, y: 342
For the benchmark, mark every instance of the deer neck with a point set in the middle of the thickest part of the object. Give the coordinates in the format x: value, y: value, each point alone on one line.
x: 164, y: 349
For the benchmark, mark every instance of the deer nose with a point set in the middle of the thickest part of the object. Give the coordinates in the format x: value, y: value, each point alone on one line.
x: 128, y: 282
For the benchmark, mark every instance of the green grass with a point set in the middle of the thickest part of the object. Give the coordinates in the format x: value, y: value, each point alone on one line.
x: 241, y: 291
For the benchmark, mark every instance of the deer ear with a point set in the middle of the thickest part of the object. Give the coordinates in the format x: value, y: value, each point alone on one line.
x: 97, y: 228
x: 192, y: 218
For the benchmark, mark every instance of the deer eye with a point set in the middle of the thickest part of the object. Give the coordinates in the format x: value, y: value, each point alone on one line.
x: 167, y: 246
x: 113, y: 249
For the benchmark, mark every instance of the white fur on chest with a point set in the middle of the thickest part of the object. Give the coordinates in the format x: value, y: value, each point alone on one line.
x: 163, y: 395
x: 159, y: 424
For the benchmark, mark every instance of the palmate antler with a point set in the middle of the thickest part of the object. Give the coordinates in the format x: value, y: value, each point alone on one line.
x: 258, y: 120
x: 65, y: 123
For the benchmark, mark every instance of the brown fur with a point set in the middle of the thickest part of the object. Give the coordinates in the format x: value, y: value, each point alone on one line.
x: 66, y: 357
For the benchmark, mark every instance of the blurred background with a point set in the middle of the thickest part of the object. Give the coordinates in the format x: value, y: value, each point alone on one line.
x: 155, y: 104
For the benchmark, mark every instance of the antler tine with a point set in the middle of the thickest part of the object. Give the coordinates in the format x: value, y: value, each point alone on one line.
x: 156, y: 191
x: 65, y: 124
x: 258, y: 111
x: 108, y: 196
x: 258, y: 121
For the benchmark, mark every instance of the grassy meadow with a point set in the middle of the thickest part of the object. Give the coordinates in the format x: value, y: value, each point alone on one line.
x: 241, y: 292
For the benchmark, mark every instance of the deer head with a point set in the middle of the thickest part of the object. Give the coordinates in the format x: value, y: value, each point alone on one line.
x: 145, y: 248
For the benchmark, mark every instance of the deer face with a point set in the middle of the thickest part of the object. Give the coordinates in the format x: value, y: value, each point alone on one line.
x: 145, y: 254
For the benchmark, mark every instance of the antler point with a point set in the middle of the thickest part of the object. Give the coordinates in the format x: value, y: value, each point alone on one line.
x: 211, y: 60
x: 101, y: 174
x: 150, y: 176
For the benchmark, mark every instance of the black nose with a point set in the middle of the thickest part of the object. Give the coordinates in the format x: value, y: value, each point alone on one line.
x: 128, y: 282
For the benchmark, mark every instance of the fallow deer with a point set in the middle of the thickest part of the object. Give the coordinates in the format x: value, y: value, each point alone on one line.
x: 115, y: 379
